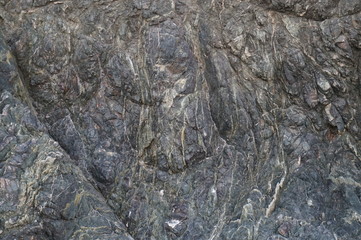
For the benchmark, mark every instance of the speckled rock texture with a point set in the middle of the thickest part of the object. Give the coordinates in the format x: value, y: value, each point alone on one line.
x: 180, y: 119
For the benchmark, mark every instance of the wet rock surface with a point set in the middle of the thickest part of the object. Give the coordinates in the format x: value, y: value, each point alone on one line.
x: 179, y: 119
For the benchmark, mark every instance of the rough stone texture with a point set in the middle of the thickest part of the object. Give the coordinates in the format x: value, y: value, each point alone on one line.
x: 180, y: 119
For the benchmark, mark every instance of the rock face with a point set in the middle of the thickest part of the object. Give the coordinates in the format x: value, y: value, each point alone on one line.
x: 180, y: 119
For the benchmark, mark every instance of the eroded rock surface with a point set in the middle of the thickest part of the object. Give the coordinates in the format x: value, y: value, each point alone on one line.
x: 180, y: 119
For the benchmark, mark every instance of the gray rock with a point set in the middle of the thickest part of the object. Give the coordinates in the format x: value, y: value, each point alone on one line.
x: 179, y: 119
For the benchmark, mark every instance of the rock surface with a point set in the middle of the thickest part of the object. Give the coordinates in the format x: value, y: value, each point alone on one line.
x: 180, y: 119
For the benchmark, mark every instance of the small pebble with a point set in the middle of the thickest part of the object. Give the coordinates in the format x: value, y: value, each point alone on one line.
x: 284, y: 229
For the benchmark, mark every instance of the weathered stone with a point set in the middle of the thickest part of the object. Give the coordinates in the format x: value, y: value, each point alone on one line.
x: 180, y: 119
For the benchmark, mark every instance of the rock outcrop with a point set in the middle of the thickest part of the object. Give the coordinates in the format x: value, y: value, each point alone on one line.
x: 180, y: 119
